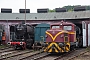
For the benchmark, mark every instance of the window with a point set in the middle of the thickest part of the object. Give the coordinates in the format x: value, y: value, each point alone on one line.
x: 53, y: 27
x: 67, y: 27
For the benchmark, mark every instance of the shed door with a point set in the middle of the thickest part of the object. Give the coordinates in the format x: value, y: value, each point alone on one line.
x: 84, y: 34
x: 88, y: 34
x: 0, y: 36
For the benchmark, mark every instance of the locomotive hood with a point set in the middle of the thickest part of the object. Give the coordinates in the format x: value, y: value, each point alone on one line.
x: 55, y: 35
x: 55, y: 31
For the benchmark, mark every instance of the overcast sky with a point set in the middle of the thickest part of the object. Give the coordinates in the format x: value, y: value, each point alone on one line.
x: 34, y: 4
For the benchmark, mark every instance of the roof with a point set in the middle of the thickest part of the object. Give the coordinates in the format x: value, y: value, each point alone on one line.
x: 45, y: 16
x: 63, y: 23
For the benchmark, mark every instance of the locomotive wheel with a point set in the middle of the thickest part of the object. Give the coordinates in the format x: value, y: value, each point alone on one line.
x: 37, y: 46
x: 17, y: 47
x: 72, y: 47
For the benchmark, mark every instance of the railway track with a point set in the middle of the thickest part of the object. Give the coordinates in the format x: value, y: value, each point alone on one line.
x: 70, y: 55
x: 63, y: 56
x: 21, y: 56
x: 15, y: 54
x: 3, y: 55
x: 32, y: 54
x: 71, y: 58
x: 48, y: 57
x: 51, y: 56
x: 40, y: 55
x: 36, y: 56
x: 43, y: 56
x: 6, y: 50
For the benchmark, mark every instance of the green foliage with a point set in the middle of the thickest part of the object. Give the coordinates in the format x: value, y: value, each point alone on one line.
x: 52, y: 10
x: 3, y: 46
x: 70, y: 8
x: 88, y: 7
x: 88, y: 48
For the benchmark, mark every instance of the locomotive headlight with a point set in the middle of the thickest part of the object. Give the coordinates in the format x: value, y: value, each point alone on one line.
x: 46, y: 36
x: 19, y: 29
x: 21, y: 43
x: 60, y: 44
x: 22, y: 39
x: 9, y: 43
x: 61, y: 35
x: 60, y: 24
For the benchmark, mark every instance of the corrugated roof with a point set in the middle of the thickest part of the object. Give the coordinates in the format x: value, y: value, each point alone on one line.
x: 45, y: 16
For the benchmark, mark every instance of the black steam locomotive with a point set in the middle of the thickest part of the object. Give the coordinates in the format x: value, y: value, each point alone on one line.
x: 21, y: 36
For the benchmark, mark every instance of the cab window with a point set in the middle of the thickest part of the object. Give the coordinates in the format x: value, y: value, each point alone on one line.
x: 54, y: 27
x: 67, y: 27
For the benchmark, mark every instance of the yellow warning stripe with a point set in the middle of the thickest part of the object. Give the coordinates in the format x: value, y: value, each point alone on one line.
x: 68, y: 44
x: 50, y: 50
x: 71, y: 33
x: 67, y: 47
x: 54, y: 37
x: 57, y: 46
x: 48, y: 47
x: 54, y: 48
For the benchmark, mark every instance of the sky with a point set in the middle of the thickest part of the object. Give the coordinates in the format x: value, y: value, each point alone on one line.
x: 33, y: 5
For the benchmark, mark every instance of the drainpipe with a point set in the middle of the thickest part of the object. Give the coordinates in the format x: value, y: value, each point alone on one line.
x: 86, y: 34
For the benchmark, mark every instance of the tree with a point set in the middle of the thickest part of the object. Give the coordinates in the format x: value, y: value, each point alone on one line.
x: 52, y: 10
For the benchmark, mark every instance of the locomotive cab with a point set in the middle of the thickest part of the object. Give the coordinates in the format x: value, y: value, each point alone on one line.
x: 60, y: 37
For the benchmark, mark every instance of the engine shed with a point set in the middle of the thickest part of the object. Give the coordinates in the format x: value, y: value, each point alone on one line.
x: 77, y: 17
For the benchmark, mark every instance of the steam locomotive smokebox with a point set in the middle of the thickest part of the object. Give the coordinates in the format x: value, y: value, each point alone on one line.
x: 19, y: 29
